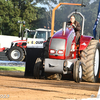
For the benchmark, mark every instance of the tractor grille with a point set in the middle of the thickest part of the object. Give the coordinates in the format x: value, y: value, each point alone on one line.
x: 57, y: 44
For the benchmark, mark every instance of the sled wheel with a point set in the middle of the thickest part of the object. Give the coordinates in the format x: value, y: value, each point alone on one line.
x: 77, y: 72
x: 16, y: 54
x: 90, y: 61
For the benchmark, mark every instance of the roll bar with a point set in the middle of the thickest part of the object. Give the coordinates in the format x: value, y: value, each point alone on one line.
x: 83, y: 19
x: 53, y: 14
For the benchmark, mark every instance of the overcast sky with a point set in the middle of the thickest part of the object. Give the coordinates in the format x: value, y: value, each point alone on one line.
x: 91, y: 1
x: 41, y: 5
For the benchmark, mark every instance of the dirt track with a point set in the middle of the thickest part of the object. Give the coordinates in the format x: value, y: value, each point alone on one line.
x: 17, y: 87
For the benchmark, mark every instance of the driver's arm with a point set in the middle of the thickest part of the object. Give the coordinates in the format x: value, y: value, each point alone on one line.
x: 78, y: 27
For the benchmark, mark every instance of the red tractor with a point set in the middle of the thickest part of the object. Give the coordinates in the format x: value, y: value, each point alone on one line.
x: 33, y: 38
x: 64, y: 56
x: 17, y: 51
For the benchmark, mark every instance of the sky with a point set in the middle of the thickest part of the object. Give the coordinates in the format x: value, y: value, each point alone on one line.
x: 46, y: 6
x: 91, y: 1
x: 41, y: 5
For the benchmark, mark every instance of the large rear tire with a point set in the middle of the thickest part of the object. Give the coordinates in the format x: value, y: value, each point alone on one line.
x: 90, y: 61
x: 16, y: 54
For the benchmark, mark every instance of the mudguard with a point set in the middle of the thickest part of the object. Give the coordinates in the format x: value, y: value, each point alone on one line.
x: 84, y: 41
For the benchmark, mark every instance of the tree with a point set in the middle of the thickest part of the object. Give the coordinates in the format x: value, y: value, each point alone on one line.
x: 48, y: 14
x: 13, y: 10
x: 41, y: 19
x: 7, y: 13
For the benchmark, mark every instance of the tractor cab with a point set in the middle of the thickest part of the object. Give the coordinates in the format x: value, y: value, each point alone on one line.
x: 31, y: 33
x: 42, y: 33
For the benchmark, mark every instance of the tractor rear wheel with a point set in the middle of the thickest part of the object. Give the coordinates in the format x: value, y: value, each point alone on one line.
x: 38, y: 68
x: 90, y: 61
x: 16, y: 54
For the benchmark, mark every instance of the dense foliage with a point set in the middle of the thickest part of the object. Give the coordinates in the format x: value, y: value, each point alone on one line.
x: 12, y: 11
x: 37, y: 17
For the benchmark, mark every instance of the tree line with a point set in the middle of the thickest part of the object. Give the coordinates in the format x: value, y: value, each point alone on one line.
x: 11, y: 11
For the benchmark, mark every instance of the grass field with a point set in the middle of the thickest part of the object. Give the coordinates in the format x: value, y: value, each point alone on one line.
x: 8, y: 68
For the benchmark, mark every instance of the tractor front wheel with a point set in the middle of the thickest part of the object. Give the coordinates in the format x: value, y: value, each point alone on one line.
x: 77, y: 71
x: 38, y: 68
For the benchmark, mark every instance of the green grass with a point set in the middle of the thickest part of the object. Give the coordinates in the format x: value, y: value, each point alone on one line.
x: 8, y: 68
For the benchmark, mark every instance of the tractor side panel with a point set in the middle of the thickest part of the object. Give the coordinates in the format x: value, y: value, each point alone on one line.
x: 19, y: 43
x: 84, y: 41
x: 22, y: 44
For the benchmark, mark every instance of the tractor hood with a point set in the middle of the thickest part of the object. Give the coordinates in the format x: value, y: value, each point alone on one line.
x: 60, y: 44
x: 60, y: 33
x: 19, y: 41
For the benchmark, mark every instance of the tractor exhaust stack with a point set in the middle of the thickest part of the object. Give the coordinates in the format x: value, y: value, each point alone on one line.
x: 64, y: 28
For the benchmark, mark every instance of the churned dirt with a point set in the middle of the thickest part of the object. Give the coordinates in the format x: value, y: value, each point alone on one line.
x: 14, y: 86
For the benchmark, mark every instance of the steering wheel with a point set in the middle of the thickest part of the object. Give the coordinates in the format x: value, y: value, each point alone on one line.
x: 69, y: 26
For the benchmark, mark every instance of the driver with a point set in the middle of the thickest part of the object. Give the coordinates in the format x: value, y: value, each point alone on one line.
x: 76, y: 27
